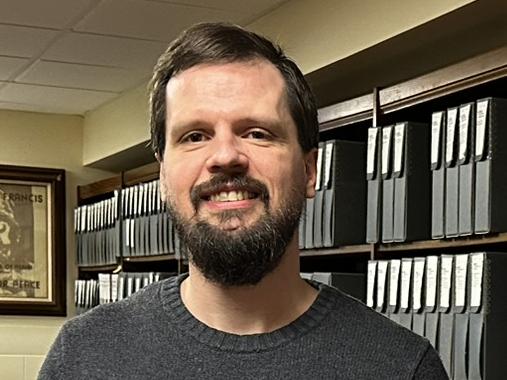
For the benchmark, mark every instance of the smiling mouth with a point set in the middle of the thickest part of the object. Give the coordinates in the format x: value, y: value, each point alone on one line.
x: 230, y: 196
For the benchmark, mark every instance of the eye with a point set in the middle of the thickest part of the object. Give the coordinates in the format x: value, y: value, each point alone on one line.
x: 3, y: 227
x: 194, y: 137
x: 257, y: 135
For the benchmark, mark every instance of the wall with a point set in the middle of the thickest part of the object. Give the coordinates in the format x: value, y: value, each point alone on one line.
x: 314, y: 32
x: 43, y: 140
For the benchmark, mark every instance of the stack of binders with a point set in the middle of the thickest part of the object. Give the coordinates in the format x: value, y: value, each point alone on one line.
x: 467, y: 164
x: 398, y: 181
x: 97, y: 230
x: 336, y: 215
x: 458, y: 302
x: 147, y: 228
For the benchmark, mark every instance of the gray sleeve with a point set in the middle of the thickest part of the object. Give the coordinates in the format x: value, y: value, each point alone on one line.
x: 52, y: 368
x: 430, y: 367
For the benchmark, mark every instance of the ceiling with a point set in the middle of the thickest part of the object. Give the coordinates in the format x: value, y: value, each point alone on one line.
x: 71, y: 56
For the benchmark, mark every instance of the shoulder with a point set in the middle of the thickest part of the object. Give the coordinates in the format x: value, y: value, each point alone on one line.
x: 371, y: 337
x: 113, y: 318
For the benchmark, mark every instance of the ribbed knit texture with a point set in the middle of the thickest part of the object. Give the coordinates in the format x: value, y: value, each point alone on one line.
x: 152, y: 335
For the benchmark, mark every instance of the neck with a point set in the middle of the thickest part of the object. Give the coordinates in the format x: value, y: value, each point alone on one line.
x: 277, y: 300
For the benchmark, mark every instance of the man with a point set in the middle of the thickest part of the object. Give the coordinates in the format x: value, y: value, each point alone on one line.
x: 234, y: 127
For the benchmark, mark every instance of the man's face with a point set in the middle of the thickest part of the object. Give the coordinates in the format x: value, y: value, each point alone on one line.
x: 232, y: 158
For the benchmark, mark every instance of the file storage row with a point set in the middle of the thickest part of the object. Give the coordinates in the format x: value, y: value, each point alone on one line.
x: 458, y: 302
x: 134, y: 222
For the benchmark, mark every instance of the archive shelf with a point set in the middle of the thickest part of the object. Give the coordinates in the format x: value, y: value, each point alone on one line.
x: 481, y: 75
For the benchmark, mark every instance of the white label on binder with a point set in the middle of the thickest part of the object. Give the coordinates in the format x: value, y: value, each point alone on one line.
x: 399, y: 136
x: 417, y: 281
x: 436, y: 124
x: 464, y: 123
x: 460, y: 280
x: 327, y: 163
x: 431, y: 280
x: 132, y: 233
x: 480, y: 131
x: 381, y: 282
x: 318, y: 184
x: 406, y: 274
x: 477, y: 268
x: 445, y: 280
x: 372, y: 269
x: 386, y: 148
x: 451, y: 130
x: 372, y: 148
x: 394, y: 276
x: 127, y: 232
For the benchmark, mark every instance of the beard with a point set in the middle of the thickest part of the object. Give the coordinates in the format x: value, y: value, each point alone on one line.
x: 246, y: 255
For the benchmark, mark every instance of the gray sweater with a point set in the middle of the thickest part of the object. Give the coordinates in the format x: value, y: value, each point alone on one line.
x: 151, y: 335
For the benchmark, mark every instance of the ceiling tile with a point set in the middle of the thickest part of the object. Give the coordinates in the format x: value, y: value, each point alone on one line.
x: 108, y: 51
x: 48, y: 13
x: 21, y: 41
x: 148, y: 19
x: 10, y: 65
x: 53, y: 99
x: 81, y: 76
x: 250, y: 7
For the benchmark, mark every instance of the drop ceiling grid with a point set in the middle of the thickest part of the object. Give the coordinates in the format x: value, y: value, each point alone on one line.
x: 54, y: 54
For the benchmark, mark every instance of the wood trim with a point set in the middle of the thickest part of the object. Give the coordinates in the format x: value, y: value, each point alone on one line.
x: 348, y: 108
x: 98, y: 268
x: 145, y: 173
x: 470, y: 241
x: 145, y: 259
x: 346, y: 249
x: 458, y: 77
x: 94, y: 189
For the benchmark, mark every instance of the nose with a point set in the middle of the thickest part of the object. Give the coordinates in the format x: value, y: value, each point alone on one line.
x: 226, y: 155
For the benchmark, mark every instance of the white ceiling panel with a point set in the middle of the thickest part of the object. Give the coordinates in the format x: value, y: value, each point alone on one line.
x: 81, y: 76
x: 251, y: 7
x: 148, y: 19
x: 45, y: 13
x: 20, y: 41
x: 9, y: 66
x: 54, y: 99
x: 107, y: 51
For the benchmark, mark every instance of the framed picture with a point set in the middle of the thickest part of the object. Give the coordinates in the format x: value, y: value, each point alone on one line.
x: 32, y: 241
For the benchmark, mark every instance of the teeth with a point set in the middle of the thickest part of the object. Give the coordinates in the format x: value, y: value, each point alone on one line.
x: 231, y: 196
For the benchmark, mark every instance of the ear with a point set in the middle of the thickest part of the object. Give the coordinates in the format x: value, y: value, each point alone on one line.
x: 311, y: 172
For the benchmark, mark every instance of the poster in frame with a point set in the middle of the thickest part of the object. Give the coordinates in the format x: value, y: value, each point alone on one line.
x: 32, y: 241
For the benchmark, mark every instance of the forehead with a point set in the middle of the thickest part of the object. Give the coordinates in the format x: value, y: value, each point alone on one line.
x: 253, y: 83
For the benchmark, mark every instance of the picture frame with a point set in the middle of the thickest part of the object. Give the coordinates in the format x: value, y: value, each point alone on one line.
x: 32, y: 241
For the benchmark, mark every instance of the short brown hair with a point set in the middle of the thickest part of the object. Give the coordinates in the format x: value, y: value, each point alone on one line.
x: 224, y: 43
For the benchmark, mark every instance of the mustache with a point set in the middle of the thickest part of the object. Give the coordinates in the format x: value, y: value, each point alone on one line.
x: 220, y: 180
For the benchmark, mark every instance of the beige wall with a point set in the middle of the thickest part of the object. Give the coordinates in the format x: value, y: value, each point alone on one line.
x: 314, y: 32
x: 53, y: 141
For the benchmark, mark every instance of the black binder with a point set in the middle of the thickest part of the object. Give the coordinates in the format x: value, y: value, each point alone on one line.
x: 318, y: 201
x: 431, y: 281
x: 491, y: 161
x: 466, y: 166
x: 387, y: 186
x: 381, y: 286
x: 418, y: 285
x: 344, y: 193
x: 411, y: 159
x: 451, y: 174
x: 460, y: 309
x: 488, y: 314
x: 446, y: 323
x: 374, y: 188
x: 393, y: 287
x: 405, y: 307
x: 371, y: 279
x: 438, y: 174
